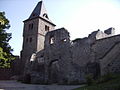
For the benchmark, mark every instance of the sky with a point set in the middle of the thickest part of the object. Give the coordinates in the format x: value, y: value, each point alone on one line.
x: 79, y: 17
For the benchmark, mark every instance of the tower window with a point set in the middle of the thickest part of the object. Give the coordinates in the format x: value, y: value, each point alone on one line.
x: 30, y: 39
x: 33, y: 14
x: 31, y: 26
x: 45, y: 15
x: 46, y: 28
x: 27, y: 40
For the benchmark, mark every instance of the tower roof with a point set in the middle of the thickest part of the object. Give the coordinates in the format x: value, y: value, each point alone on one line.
x: 41, y: 12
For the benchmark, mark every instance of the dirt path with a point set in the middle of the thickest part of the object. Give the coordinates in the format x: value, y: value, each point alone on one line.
x: 14, y: 85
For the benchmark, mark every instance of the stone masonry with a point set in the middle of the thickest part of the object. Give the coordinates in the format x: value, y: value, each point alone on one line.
x: 68, y: 62
x: 49, y: 56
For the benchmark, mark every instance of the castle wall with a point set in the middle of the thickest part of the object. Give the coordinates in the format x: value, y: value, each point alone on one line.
x: 81, y: 52
x: 14, y: 70
x: 107, y: 54
x: 107, y: 33
x: 103, y: 53
x: 57, y: 54
x: 65, y: 62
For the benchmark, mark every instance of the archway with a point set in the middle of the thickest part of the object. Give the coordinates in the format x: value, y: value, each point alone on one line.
x: 53, y: 71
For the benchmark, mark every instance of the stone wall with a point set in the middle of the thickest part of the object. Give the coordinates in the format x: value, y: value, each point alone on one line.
x: 107, y: 53
x: 14, y: 70
x: 57, y: 54
x: 68, y: 62
x: 5, y: 74
x: 107, y: 33
x: 81, y: 52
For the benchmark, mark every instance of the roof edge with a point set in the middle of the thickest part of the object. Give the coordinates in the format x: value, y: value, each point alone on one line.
x: 40, y: 18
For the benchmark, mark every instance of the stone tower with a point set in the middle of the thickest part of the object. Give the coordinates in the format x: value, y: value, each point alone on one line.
x: 35, y: 28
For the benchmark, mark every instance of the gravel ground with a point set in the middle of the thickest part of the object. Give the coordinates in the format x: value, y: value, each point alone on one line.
x: 14, y: 85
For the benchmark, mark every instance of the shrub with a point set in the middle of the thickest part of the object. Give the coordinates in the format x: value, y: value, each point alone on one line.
x: 89, y: 79
x: 105, y: 78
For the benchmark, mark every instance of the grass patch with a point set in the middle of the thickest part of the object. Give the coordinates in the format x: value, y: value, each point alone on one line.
x: 107, y: 82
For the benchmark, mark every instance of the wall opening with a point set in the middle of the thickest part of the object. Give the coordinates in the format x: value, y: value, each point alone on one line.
x: 33, y: 14
x: 30, y: 39
x: 31, y: 26
x: 45, y: 15
x: 52, y: 40
x: 46, y: 28
x: 53, y: 71
x: 64, y: 40
x: 26, y: 39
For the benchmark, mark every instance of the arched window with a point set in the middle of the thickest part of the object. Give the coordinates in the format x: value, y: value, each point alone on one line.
x: 45, y: 15
x: 30, y: 39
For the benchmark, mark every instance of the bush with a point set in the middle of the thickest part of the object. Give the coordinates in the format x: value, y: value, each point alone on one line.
x: 89, y: 79
x: 105, y: 78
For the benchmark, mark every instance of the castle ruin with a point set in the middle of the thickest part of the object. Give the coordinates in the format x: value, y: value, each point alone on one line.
x: 49, y: 56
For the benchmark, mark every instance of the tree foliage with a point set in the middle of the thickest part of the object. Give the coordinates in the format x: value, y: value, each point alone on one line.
x: 5, y: 49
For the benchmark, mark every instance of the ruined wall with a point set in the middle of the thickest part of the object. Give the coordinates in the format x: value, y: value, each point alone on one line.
x: 68, y: 62
x: 57, y: 54
x: 107, y: 53
x: 103, y: 53
x: 83, y: 57
x: 37, y: 67
x: 107, y: 33
x: 81, y: 51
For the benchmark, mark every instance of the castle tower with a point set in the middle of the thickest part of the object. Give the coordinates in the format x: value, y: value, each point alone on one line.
x: 35, y: 28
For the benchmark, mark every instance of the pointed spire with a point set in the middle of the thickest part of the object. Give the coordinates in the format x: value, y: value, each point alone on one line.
x: 39, y: 11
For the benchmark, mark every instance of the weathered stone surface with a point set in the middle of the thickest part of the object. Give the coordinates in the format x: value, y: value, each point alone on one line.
x: 64, y: 62
x: 57, y: 54
x: 34, y: 32
x: 106, y: 52
x: 50, y: 56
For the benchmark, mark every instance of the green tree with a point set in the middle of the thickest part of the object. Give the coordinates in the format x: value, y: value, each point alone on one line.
x: 5, y: 49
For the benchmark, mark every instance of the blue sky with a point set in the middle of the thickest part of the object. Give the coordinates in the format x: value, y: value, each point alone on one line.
x: 79, y: 17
